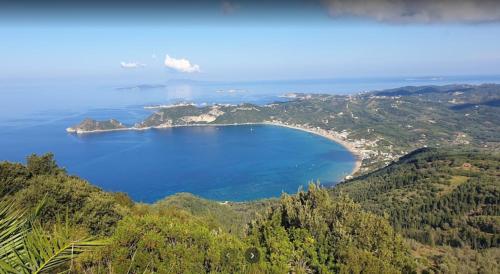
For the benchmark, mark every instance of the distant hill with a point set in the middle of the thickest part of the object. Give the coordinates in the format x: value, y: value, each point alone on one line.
x: 142, y: 87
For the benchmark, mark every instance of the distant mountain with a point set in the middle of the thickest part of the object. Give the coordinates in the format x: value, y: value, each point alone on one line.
x: 141, y: 87
x: 452, y: 94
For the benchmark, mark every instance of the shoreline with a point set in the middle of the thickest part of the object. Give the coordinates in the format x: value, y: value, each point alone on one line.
x: 357, y: 155
x: 346, y: 145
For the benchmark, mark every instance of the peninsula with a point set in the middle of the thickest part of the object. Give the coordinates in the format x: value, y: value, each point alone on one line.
x: 378, y: 127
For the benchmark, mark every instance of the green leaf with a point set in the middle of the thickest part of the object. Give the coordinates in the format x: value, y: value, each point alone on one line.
x: 25, y: 247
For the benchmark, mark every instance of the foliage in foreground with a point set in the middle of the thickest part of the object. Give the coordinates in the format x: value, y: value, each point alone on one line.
x: 312, y: 233
x: 41, y: 179
x: 307, y: 233
x: 25, y: 247
x: 170, y: 242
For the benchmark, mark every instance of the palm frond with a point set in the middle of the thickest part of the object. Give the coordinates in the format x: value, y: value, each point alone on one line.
x: 13, y: 229
x: 45, y: 253
x: 26, y: 248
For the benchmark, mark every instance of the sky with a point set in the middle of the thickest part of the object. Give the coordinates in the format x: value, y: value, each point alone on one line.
x: 233, y: 41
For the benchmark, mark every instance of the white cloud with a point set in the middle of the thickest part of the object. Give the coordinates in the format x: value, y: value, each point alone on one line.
x: 131, y: 65
x: 182, y: 65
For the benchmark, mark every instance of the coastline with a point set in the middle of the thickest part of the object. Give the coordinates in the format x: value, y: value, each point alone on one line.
x: 320, y: 132
x: 346, y: 145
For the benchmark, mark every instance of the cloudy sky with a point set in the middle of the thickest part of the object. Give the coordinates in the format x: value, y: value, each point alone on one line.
x: 238, y: 40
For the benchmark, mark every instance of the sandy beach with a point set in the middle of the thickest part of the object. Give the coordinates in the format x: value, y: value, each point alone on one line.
x: 345, y: 144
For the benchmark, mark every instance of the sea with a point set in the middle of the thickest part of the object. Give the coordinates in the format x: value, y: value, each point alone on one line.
x: 224, y: 163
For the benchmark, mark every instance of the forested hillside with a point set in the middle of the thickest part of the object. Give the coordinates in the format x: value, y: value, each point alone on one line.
x: 447, y: 198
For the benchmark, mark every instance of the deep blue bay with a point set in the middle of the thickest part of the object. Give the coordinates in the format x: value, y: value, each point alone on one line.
x: 234, y: 163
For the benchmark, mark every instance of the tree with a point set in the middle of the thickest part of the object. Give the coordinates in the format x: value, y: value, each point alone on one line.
x: 43, y: 165
x: 171, y: 242
x: 312, y: 232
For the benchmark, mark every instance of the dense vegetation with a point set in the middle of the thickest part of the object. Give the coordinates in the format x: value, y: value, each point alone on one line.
x: 440, y: 198
x: 446, y: 198
x: 309, y: 232
x: 230, y: 216
x: 27, y: 247
x: 85, y: 205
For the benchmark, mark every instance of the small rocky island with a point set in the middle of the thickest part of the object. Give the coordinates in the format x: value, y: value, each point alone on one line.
x: 378, y: 126
x: 89, y: 125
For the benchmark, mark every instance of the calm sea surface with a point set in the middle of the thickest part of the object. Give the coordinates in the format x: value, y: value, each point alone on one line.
x: 224, y: 163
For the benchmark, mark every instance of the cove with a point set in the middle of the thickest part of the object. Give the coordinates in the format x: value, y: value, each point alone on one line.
x: 234, y: 163
x: 224, y: 163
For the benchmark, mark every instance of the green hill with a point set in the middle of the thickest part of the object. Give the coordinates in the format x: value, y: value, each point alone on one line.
x: 440, y: 198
